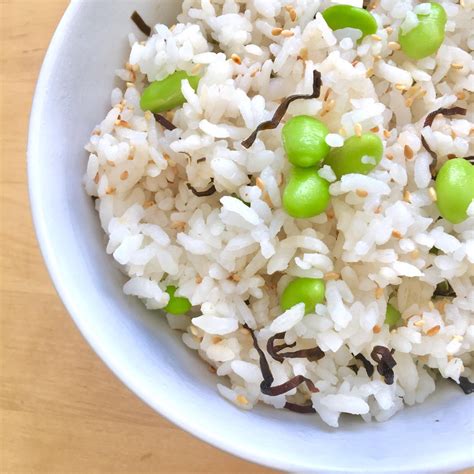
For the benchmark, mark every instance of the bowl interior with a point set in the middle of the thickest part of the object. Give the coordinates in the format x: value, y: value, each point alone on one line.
x: 72, y: 97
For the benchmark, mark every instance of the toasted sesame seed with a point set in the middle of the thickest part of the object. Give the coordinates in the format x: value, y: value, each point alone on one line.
x: 217, y: 339
x: 330, y: 214
x: 387, y: 134
x: 178, y: 225
x: 378, y: 210
x: 304, y: 54
x: 124, y: 175
x: 389, y: 29
x: 376, y: 329
x: 369, y: 72
x: 198, y: 279
x: 277, y: 31
x: 241, y: 400
x: 406, y: 196
x: 433, y: 331
x: 332, y: 276
x: 396, y: 234
x: 461, y: 95
x: 166, y: 156
x: 415, y: 254
x: 457, y: 65
x: 358, y: 129
x: 260, y: 183
x: 376, y: 37
x: 379, y: 292
x: 389, y: 156
x: 287, y: 33
x: 362, y: 193
x: 236, y: 58
x: 148, y: 204
x: 432, y: 193
x: 110, y: 190
x: 292, y: 12
x: 196, y: 68
x: 408, y: 152
x: 375, y: 129
x: 235, y: 277
x: 393, y: 45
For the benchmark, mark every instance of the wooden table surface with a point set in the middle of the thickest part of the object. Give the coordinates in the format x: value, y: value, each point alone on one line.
x: 62, y: 411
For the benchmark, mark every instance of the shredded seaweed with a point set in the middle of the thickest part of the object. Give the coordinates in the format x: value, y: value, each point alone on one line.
x: 369, y: 368
x: 287, y: 386
x: 140, y: 23
x: 201, y: 160
x: 164, y: 122
x: 268, y: 379
x: 429, y: 122
x: 207, y: 192
x: 385, y: 363
x: 466, y: 385
x: 282, y: 108
x: 313, y: 354
x: 444, y: 289
x: 299, y: 408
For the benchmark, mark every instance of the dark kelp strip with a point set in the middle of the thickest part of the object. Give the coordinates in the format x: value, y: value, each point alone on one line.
x: 299, y: 408
x: 444, y: 289
x: 282, y: 109
x: 429, y: 122
x: 164, y: 122
x: 207, y: 192
x: 369, y: 368
x: 466, y: 385
x: 287, y: 386
x: 268, y: 379
x: 313, y: 354
x: 140, y: 23
x: 385, y: 363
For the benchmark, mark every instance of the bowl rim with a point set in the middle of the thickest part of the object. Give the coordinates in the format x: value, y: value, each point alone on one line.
x: 157, y: 403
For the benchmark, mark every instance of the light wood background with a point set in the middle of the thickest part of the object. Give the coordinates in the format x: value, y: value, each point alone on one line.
x: 62, y: 411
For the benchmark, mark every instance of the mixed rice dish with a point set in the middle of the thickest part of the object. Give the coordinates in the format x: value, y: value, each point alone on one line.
x: 291, y: 183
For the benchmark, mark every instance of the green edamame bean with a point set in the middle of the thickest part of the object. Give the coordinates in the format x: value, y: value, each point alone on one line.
x: 455, y: 189
x: 426, y: 38
x: 392, y: 316
x: 347, y: 16
x: 177, y: 304
x: 304, y: 140
x: 357, y: 155
x: 166, y: 94
x: 309, y: 291
x: 306, y: 194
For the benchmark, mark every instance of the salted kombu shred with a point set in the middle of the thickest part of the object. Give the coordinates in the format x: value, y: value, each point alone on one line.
x: 313, y: 354
x: 385, y: 363
x: 466, y: 385
x: 299, y: 408
x: 268, y: 379
x: 164, y: 122
x: 369, y: 368
x: 207, y: 192
x: 282, y: 108
x: 429, y: 122
x: 140, y: 23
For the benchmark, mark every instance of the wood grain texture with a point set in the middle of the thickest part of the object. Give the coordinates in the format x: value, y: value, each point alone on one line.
x: 61, y: 409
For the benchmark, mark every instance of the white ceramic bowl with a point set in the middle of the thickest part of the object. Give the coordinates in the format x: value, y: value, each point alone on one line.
x: 72, y: 96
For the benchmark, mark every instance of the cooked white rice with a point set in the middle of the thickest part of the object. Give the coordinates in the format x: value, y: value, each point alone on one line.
x: 232, y: 261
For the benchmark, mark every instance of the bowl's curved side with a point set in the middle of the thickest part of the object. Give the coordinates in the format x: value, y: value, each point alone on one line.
x: 72, y: 96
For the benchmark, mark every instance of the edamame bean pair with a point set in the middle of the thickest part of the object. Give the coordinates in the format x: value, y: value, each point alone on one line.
x: 304, y: 139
